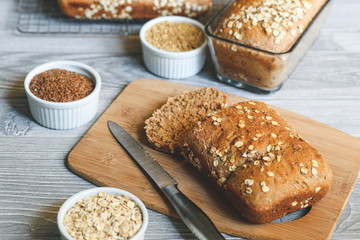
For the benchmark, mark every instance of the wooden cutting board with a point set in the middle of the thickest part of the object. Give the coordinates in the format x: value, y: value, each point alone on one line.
x: 102, y: 161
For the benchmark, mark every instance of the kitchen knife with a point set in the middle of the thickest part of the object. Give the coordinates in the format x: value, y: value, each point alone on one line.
x: 193, y: 217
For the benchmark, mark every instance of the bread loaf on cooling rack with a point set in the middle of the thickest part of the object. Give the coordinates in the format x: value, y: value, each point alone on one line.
x: 133, y: 9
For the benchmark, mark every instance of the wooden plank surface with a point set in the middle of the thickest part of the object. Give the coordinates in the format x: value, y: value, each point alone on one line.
x: 99, y: 159
x: 34, y: 181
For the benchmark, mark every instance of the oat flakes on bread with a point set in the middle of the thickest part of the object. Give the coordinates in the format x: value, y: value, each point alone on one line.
x: 269, y: 25
x: 273, y: 26
x: 258, y: 161
x: 168, y: 126
x: 132, y: 9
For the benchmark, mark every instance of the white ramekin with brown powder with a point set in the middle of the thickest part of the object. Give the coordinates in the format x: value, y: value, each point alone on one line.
x: 64, y: 115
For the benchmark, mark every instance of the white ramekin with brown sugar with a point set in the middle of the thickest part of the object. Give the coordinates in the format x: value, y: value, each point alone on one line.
x: 171, y: 64
x: 68, y: 114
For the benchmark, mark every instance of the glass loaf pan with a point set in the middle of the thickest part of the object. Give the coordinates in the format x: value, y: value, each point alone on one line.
x: 254, y: 69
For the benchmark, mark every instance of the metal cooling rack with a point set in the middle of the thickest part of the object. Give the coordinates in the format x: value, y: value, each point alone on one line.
x: 45, y: 17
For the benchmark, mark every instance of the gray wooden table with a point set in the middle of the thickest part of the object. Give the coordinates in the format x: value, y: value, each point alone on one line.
x: 34, y: 181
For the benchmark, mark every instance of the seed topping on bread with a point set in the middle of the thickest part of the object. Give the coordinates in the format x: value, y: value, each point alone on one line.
x: 276, y: 18
x: 258, y: 162
x: 227, y: 158
x: 124, y: 9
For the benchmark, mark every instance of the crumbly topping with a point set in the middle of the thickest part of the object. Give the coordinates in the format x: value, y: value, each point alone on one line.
x: 103, y: 216
x: 174, y: 36
x: 276, y: 18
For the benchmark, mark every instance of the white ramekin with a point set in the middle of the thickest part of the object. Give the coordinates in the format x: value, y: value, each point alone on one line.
x: 172, y: 64
x: 69, y: 203
x: 64, y: 115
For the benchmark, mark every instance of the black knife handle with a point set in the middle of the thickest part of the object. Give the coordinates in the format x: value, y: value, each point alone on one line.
x: 194, y: 218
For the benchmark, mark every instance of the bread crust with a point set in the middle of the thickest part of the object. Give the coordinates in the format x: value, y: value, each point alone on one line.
x: 258, y: 161
x: 261, y: 34
x: 132, y: 9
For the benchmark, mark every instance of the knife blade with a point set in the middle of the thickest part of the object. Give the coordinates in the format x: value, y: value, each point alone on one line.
x: 193, y: 217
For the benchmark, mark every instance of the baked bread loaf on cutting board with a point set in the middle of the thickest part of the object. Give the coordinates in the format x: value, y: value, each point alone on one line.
x: 133, y: 9
x: 169, y: 125
x: 258, y: 161
x: 249, y: 153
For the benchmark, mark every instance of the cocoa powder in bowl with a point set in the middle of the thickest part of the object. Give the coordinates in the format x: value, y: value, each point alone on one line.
x: 59, y: 85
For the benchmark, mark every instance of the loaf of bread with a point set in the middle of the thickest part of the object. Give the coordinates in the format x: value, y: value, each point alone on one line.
x: 133, y: 9
x: 258, y: 161
x: 269, y: 25
x: 169, y: 125
x: 266, y: 30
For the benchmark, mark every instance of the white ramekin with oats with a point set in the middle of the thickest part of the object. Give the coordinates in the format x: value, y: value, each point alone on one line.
x: 102, y: 213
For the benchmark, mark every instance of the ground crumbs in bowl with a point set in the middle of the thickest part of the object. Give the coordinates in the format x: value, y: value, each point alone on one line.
x: 58, y: 85
x: 103, y: 216
x: 174, y: 36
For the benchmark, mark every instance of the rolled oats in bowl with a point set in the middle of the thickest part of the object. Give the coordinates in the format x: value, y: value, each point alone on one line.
x: 102, y: 215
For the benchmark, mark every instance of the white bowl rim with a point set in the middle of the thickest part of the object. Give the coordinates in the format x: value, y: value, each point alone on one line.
x: 154, y: 21
x: 70, y: 202
x: 62, y: 65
